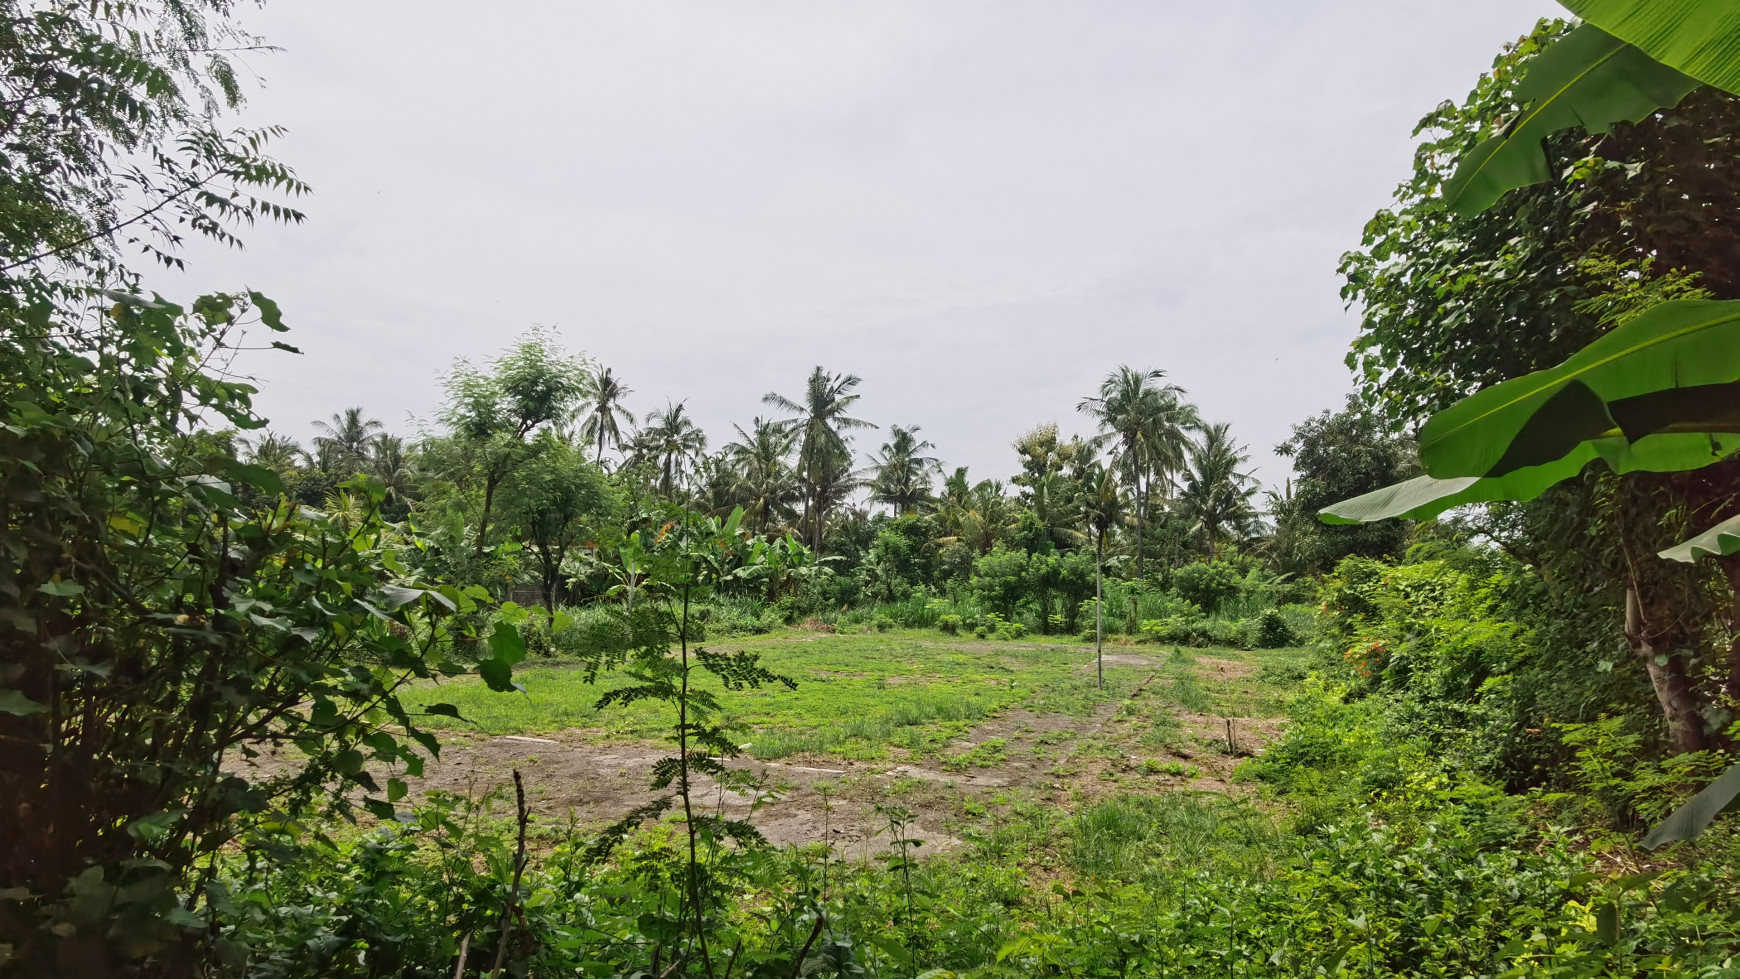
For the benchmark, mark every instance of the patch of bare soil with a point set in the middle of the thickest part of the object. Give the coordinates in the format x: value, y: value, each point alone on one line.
x: 1225, y: 669
x: 1071, y: 760
x: 802, y: 804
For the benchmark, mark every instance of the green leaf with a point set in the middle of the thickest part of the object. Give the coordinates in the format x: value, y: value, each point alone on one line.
x: 61, y: 589
x: 1689, y: 821
x: 1587, y: 78
x: 445, y: 710
x: 1698, y: 37
x: 1652, y: 391
x: 258, y: 477
x: 507, y: 645
x: 15, y: 702
x: 1719, y: 541
x: 497, y: 675
x: 892, y: 948
x: 398, y: 595
x: 1607, y: 923
x: 396, y: 789
x: 270, y: 314
x: 379, y: 809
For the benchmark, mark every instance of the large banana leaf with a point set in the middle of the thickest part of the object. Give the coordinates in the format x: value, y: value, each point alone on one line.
x: 1665, y: 382
x: 1425, y: 497
x: 1698, y: 37
x: 1587, y: 78
x: 1691, y: 819
x: 1719, y: 541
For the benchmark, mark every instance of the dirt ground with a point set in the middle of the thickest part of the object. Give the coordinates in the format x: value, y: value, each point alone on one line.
x: 1056, y: 759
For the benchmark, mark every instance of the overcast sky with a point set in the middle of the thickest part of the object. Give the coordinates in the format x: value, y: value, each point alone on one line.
x: 979, y: 207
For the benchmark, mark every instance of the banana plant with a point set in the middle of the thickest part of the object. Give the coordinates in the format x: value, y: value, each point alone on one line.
x: 1628, y: 59
x: 1660, y: 393
x: 1698, y: 37
x: 1588, y: 79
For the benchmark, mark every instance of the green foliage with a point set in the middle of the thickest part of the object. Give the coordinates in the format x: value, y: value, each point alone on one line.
x: 556, y: 500
x: 1271, y: 630
x: 1336, y: 457
x: 1587, y: 78
x: 153, y: 599
x: 1721, y: 540
x: 1695, y: 36
x: 1209, y: 585
x: 1613, y: 769
x: 1000, y: 580
x: 1659, y: 381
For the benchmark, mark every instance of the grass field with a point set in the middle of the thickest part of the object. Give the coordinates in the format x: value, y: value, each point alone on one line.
x: 859, y: 695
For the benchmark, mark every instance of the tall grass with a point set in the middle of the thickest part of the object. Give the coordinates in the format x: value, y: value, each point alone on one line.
x: 1151, y: 839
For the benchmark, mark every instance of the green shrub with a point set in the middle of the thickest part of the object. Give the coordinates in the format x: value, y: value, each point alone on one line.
x: 1271, y: 631
x: 1209, y: 585
x: 950, y: 624
x: 1223, y: 632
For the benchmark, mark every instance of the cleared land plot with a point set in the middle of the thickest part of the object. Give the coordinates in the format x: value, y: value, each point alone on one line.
x: 960, y: 732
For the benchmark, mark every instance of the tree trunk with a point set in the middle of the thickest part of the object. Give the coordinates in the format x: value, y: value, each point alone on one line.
x: 1141, y: 503
x: 489, y: 485
x: 1667, y: 674
x: 1732, y: 566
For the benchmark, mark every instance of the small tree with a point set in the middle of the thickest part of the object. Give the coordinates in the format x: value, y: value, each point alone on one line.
x: 689, y: 558
x: 494, y: 412
x: 554, y: 498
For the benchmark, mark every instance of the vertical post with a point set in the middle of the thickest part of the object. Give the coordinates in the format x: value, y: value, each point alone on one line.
x: 1099, y: 610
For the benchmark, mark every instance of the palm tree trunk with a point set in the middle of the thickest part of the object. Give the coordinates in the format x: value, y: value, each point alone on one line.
x: 1141, y: 502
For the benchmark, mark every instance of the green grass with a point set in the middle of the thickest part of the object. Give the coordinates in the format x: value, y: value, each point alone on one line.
x: 1157, y: 838
x: 858, y: 694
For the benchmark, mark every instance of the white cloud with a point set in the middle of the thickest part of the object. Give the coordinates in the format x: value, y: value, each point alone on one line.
x: 979, y: 207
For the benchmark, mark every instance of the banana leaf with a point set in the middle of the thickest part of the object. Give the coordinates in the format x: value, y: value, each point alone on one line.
x: 1424, y: 497
x: 1719, y: 541
x: 1698, y: 37
x: 1667, y: 382
x: 1689, y: 821
x: 1587, y: 78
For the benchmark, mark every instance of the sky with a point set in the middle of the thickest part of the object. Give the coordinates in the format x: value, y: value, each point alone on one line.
x: 980, y: 208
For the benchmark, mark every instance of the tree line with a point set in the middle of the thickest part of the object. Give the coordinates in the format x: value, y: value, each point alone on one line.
x: 537, y: 465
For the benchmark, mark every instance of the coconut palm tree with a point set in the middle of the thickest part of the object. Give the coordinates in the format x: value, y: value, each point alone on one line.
x: 976, y: 516
x: 902, y: 474
x: 767, y: 486
x: 1150, y: 423
x: 391, y: 463
x: 823, y: 453
x: 1216, y: 496
x: 344, y: 439
x: 672, y: 440
x: 279, y: 453
x: 602, y: 414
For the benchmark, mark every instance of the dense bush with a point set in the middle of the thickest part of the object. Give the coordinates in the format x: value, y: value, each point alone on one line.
x: 1443, y: 883
x: 1208, y: 584
x: 1271, y: 631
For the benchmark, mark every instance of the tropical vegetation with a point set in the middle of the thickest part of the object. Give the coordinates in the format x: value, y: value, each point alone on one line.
x: 560, y: 685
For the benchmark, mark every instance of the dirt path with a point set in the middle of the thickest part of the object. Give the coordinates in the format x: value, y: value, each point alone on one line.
x: 1061, y: 759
